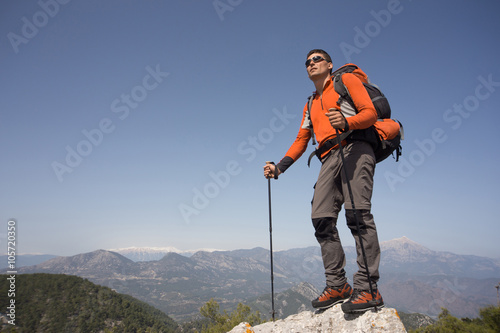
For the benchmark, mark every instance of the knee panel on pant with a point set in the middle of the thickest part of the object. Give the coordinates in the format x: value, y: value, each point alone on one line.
x: 362, y: 215
x: 324, y: 227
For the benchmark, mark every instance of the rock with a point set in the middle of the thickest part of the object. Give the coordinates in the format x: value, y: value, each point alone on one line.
x: 331, y: 320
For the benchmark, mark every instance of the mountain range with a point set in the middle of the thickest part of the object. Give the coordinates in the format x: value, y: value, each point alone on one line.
x: 154, y: 253
x: 413, y: 278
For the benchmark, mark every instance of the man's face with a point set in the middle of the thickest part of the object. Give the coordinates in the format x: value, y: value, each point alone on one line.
x: 317, y: 66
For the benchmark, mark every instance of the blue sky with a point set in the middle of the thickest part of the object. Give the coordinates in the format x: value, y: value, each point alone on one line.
x: 147, y: 123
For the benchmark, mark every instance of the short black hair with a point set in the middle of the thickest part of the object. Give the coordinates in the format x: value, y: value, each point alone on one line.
x: 322, y: 52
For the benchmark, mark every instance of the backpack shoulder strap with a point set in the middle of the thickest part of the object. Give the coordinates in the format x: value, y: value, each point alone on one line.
x: 340, y: 88
x: 310, y: 102
x: 307, y: 124
x: 338, y: 85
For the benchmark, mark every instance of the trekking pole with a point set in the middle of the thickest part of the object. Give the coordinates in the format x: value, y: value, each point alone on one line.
x: 271, y: 243
x: 349, y: 189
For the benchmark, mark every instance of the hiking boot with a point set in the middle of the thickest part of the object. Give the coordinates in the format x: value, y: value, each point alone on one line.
x: 331, y: 296
x: 362, y: 300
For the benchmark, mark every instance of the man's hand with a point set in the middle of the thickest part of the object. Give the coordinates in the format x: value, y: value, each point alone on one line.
x: 269, y: 170
x: 337, y: 120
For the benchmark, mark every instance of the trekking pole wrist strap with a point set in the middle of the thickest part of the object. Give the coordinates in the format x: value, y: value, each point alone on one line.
x: 276, y: 170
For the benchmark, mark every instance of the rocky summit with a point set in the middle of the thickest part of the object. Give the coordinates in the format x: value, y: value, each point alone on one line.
x: 330, y: 320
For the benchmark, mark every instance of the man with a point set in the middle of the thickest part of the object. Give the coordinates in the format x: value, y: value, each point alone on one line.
x: 331, y: 191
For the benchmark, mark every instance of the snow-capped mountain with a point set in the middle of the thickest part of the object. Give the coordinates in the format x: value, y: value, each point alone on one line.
x: 153, y: 253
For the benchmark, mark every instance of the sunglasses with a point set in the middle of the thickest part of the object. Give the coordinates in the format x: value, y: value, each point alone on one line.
x: 314, y: 59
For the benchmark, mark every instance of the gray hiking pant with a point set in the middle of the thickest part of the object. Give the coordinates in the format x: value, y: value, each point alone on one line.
x: 330, y: 193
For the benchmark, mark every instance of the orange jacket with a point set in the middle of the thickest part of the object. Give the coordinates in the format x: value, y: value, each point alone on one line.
x: 366, y: 116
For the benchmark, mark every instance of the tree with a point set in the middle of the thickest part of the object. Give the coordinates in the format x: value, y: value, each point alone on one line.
x: 223, y: 322
x: 491, y: 317
x: 211, y: 311
x: 488, y: 322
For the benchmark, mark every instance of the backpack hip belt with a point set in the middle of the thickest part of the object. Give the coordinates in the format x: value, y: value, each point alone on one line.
x: 328, y: 145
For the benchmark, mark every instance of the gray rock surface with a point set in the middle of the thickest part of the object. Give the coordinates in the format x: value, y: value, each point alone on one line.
x: 331, y: 320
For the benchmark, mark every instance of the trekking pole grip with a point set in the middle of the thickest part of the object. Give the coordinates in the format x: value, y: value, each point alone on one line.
x: 275, y: 174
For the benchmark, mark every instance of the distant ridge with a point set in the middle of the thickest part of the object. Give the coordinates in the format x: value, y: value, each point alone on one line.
x: 402, y: 255
x: 413, y: 277
x: 405, y: 249
x: 96, y: 264
x: 154, y: 253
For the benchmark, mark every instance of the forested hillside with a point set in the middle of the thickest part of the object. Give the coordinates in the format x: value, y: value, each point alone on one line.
x: 62, y: 303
